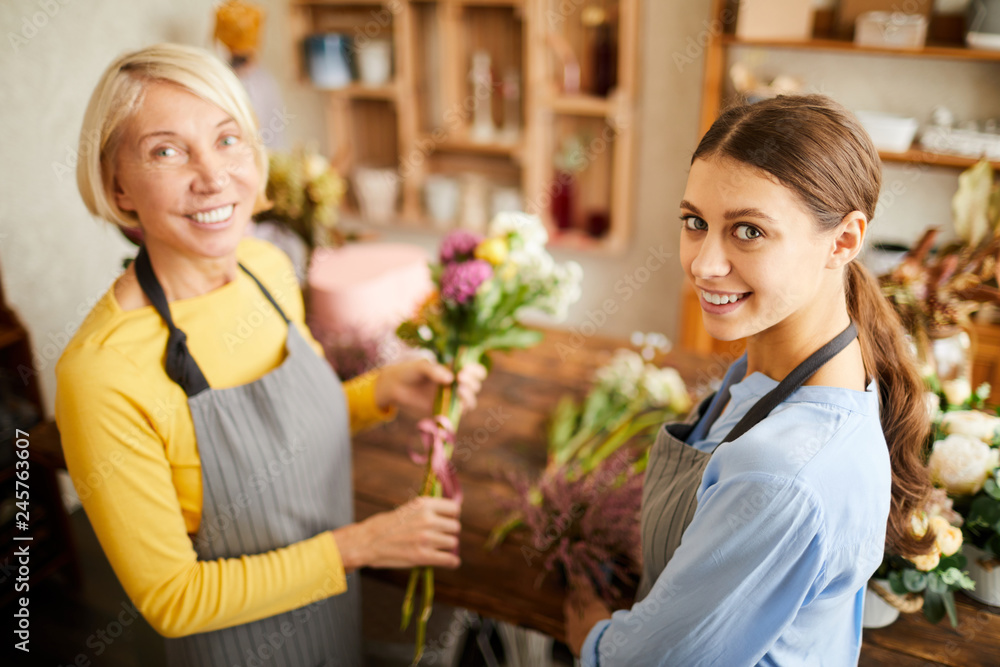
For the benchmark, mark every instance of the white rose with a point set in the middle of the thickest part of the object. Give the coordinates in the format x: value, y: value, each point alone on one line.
x: 947, y: 538
x: 957, y: 391
x: 972, y: 423
x: 961, y: 463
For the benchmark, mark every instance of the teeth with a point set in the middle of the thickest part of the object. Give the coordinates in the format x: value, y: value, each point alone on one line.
x: 217, y: 215
x: 721, y: 299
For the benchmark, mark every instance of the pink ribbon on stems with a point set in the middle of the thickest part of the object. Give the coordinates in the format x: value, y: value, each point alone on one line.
x: 434, y: 433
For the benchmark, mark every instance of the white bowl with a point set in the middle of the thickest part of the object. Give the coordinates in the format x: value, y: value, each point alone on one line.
x: 889, y: 132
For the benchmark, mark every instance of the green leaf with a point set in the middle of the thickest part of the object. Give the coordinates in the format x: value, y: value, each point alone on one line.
x: 515, y: 337
x: 896, y: 582
x: 991, y: 488
x: 935, y: 584
x: 914, y: 580
x: 934, y: 607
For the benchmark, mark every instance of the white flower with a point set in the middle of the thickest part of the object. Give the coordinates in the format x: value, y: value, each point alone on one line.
x: 623, y: 374
x: 529, y: 228
x: 560, y: 289
x: 961, y: 463
x: 316, y: 165
x: 957, y: 391
x: 666, y: 388
x: 972, y: 423
x: 947, y: 537
x: 933, y: 402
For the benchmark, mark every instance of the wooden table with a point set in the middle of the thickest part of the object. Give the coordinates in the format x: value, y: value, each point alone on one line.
x: 506, y: 433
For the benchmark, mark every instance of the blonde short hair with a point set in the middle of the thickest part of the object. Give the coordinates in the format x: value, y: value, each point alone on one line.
x: 119, y: 95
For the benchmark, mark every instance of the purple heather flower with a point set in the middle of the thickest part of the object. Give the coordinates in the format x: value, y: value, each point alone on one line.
x: 459, y: 245
x: 459, y: 282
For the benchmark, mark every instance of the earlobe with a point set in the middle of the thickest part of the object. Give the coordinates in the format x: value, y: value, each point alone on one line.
x: 849, y: 239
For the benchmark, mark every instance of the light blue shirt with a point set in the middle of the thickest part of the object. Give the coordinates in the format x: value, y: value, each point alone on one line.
x: 790, y: 525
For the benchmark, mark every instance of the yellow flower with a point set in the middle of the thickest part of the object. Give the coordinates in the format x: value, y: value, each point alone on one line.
x: 492, y: 250
x: 948, y: 538
x: 926, y: 562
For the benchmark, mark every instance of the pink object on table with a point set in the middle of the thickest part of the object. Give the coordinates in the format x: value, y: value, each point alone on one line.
x: 365, y: 290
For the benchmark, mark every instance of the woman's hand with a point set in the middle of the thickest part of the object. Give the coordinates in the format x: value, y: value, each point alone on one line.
x: 424, y: 531
x: 413, y: 384
x: 582, y: 609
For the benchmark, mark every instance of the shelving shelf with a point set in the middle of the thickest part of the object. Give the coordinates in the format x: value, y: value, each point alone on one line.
x: 947, y: 51
x: 361, y: 92
x: 916, y: 155
x: 421, y: 122
x: 466, y: 145
x: 582, y: 105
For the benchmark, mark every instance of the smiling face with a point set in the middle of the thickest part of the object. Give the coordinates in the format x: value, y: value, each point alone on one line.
x: 754, y: 254
x: 185, y: 168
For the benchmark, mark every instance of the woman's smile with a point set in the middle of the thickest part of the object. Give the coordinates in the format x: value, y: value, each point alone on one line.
x: 720, y: 303
x: 213, y: 218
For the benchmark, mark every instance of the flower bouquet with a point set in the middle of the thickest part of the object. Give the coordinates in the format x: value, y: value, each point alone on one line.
x: 484, y: 288
x: 928, y: 581
x: 582, y: 512
x: 305, y: 192
x: 967, y: 464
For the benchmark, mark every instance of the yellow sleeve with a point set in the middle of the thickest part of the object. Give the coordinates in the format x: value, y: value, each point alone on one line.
x: 361, y: 403
x: 115, y: 449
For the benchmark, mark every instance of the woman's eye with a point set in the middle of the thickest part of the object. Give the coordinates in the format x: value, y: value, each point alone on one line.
x: 694, y: 223
x: 165, y: 151
x: 230, y: 140
x: 747, y: 233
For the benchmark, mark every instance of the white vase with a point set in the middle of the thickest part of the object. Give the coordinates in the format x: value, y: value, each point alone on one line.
x: 987, y: 579
x: 877, y: 612
x: 374, y: 62
x: 377, y: 191
x: 442, y: 195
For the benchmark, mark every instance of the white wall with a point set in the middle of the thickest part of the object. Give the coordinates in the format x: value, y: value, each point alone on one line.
x: 56, y: 261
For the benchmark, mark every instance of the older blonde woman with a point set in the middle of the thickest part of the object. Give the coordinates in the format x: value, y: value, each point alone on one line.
x: 196, y: 396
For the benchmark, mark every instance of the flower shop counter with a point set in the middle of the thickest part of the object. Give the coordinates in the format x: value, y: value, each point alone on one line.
x: 507, y: 433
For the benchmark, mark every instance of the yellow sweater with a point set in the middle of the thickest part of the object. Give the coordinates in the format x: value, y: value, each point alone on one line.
x: 131, y: 451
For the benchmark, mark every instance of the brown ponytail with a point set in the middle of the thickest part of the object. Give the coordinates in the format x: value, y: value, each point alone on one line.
x: 905, y: 422
x: 818, y: 149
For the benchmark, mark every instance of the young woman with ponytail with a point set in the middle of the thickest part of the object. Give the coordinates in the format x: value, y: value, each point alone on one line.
x: 765, y: 514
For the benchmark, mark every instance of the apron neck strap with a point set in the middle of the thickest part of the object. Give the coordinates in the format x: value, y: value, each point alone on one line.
x: 180, y: 365
x: 792, y: 381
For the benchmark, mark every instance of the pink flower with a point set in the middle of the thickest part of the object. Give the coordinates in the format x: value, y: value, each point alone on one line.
x: 459, y: 246
x: 459, y: 282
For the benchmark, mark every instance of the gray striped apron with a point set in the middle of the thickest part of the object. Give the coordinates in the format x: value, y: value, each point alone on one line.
x: 276, y: 469
x: 675, y: 468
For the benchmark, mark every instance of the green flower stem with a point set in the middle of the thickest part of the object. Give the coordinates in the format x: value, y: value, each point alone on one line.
x: 411, y: 589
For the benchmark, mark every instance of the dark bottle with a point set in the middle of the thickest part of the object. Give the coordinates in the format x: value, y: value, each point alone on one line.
x: 605, y: 60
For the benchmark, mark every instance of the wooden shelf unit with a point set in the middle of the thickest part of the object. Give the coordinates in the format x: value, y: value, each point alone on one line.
x: 692, y: 335
x: 420, y: 123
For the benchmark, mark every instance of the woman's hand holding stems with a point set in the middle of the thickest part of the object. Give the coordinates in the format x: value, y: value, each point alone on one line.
x: 424, y: 531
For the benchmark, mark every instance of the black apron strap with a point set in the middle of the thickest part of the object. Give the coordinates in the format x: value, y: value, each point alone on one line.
x: 792, y: 381
x: 180, y: 365
x: 266, y: 293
